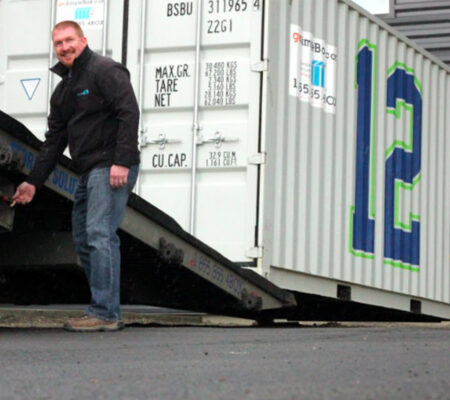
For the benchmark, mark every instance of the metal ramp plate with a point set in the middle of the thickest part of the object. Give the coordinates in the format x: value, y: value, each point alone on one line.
x: 161, y: 263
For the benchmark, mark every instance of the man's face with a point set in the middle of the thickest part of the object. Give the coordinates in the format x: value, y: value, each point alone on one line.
x: 68, y: 45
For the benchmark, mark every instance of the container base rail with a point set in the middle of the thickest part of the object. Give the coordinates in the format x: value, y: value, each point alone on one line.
x: 162, y: 264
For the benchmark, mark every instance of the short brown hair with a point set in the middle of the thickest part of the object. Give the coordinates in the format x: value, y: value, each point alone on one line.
x: 67, y: 24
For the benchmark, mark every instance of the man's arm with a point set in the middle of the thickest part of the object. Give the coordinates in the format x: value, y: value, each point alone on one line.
x: 116, y: 88
x: 51, y: 150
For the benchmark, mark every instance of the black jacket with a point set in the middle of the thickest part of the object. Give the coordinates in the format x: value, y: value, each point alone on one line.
x: 94, y: 111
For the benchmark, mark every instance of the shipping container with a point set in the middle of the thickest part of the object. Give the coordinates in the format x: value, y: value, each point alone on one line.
x: 356, y: 195
x: 305, y: 139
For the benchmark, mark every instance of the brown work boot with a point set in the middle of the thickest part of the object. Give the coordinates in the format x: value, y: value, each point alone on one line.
x: 88, y: 323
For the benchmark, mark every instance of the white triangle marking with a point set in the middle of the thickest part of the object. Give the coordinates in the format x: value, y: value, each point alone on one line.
x: 30, y: 86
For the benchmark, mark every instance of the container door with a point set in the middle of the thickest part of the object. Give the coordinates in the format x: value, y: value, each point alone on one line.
x: 27, y: 52
x: 209, y: 186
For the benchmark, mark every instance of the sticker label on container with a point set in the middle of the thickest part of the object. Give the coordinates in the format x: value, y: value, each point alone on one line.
x: 87, y: 13
x: 312, y: 72
x: 30, y: 86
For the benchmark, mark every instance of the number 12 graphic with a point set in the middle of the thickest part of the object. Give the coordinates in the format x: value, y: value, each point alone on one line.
x: 402, y: 163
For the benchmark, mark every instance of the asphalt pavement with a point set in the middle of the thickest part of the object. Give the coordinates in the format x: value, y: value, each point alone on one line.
x: 337, y: 361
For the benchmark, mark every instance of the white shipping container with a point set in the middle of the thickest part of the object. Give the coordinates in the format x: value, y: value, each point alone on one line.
x: 304, y: 138
x: 356, y: 130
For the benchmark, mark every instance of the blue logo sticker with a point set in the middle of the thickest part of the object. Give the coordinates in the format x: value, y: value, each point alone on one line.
x: 318, y: 74
x: 83, y: 13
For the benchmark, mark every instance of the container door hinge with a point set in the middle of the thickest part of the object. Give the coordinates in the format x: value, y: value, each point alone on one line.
x: 261, y: 66
x: 255, y: 252
x: 257, y: 159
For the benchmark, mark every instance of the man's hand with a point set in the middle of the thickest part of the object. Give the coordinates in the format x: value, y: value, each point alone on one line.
x: 118, y: 176
x: 24, y: 194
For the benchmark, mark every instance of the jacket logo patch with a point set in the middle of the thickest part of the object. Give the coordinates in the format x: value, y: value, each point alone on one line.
x: 85, y: 92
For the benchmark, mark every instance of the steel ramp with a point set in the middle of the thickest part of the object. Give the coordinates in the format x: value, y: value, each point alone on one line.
x: 162, y: 264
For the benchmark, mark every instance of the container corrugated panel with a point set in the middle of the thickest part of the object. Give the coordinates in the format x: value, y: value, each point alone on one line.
x: 427, y: 22
x: 357, y: 135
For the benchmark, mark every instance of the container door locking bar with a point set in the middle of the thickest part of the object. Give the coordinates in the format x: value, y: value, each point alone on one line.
x: 162, y: 140
x: 218, y: 139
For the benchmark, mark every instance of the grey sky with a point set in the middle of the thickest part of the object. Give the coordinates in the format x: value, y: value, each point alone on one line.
x: 374, y: 6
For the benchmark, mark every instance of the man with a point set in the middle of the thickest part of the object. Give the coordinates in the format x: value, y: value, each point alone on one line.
x: 94, y: 111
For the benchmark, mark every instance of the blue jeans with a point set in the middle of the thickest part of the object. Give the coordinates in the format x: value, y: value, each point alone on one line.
x: 97, y: 212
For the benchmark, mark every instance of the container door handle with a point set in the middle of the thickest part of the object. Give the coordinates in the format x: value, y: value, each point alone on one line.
x: 161, y: 141
x: 218, y: 139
